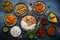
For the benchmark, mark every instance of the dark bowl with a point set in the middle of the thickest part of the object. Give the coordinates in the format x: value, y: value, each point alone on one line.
x: 10, y: 10
x: 23, y: 13
x: 41, y: 12
x: 6, y: 23
x: 55, y: 31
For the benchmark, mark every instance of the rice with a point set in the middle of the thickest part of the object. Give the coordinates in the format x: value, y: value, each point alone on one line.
x: 25, y: 26
x: 15, y: 31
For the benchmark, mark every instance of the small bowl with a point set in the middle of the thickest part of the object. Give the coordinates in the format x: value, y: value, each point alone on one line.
x: 39, y: 35
x: 54, y: 33
x: 43, y: 21
x: 10, y: 9
x: 14, y: 31
x: 5, y: 29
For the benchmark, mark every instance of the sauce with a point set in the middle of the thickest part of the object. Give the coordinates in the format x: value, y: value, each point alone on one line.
x: 43, y: 20
x: 51, y: 30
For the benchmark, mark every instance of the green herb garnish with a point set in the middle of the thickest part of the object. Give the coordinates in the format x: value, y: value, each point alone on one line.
x: 31, y: 35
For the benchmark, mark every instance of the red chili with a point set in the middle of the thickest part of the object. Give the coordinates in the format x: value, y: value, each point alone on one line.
x: 41, y: 31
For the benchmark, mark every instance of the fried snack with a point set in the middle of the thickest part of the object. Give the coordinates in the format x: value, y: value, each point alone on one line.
x: 7, y: 6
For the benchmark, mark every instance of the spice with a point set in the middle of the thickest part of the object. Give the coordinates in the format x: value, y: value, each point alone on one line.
x: 51, y: 30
